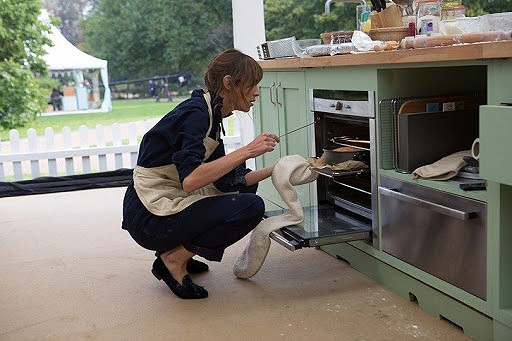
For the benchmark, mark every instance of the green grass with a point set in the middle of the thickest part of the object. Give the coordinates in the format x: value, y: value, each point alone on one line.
x: 122, y: 112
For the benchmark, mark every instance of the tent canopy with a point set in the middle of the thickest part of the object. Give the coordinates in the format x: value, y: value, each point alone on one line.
x: 64, y: 56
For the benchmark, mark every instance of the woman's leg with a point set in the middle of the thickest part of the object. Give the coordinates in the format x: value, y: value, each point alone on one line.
x: 176, y: 260
x: 205, y: 228
x: 219, y: 222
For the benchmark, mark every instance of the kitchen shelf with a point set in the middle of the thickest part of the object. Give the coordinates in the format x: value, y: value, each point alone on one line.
x: 450, y: 186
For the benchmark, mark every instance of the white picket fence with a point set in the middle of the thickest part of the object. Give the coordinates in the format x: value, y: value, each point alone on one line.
x: 103, y: 148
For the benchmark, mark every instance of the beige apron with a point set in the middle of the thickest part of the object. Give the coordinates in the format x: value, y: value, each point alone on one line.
x: 159, y: 188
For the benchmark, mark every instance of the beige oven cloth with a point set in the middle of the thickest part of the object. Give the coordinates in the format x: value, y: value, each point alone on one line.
x: 444, y: 169
x: 289, y: 171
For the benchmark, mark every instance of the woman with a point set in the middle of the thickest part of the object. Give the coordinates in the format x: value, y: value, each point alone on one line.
x: 187, y: 196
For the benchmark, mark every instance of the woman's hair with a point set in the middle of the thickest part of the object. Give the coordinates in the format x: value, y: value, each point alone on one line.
x: 245, y: 73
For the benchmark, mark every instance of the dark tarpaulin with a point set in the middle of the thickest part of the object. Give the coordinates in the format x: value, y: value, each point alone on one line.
x: 42, y: 185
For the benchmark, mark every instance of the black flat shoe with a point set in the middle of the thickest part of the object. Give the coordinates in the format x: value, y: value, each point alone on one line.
x: 186, y: 290
x: 196, y: 267
x: 193, y: 266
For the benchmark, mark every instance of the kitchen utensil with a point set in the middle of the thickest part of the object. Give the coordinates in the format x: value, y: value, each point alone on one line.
x: 471, y: 161
x: 344, y: 140
x: 378, y: 5
x: 333, y: 157
x: 294, y: 130
x: 389, y: 17
x: 475, y: 186
x: 276, y: 49
x: 405, y: 6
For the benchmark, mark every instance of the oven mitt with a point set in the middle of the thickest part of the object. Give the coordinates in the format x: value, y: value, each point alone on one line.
x: 444, y: 169
x: 289, y: 171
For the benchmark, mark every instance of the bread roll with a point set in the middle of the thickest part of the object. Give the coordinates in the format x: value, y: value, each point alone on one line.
x: 346, y: 149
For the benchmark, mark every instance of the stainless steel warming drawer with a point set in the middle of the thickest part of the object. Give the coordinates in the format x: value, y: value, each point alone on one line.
x: 441, y: 233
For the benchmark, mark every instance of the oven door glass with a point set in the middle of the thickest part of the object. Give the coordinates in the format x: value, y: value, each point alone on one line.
x: 322, y: 225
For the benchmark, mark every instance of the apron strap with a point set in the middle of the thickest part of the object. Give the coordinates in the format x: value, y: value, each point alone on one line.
x: 208, y: 99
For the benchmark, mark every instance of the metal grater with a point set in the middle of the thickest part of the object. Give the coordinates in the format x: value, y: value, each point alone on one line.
x: 276, y: 49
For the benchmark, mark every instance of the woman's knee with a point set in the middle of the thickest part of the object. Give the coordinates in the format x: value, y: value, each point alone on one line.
x: 257, y: 204
x: 251, y: 207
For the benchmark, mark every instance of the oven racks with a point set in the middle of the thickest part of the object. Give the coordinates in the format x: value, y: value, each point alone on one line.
x: 333, y: 173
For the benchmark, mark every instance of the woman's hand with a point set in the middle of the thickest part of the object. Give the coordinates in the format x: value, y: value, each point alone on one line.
x: 262, y: 144
x: 209, y: 172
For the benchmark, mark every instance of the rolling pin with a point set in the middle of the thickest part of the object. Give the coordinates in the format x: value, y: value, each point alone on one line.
x: 451, y: 39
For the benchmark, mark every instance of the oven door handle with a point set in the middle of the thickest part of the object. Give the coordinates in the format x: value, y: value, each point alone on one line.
x: 291, y: 245
x: 449, y: 211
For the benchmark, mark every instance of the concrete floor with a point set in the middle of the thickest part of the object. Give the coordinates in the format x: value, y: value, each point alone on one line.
x: 69, y: 272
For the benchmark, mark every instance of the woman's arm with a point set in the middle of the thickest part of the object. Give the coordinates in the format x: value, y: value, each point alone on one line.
x: 255, y: 176
x: 209, y: 172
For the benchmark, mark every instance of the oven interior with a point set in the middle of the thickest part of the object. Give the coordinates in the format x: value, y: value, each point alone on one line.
x: 344, y: 188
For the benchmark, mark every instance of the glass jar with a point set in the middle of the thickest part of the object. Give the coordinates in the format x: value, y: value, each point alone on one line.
x: 452, y: 12
x: 428, y: 15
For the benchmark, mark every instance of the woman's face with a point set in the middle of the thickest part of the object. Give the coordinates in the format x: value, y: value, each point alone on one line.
x: 250, y: 97
x: 243, y: 103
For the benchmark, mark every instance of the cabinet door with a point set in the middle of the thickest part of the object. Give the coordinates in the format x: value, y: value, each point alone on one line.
x: 266, y: 118
x: 293, y: 109
x: 495, y: 143
x: 282, y: 107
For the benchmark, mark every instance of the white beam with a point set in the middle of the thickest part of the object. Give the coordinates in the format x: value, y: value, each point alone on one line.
x: 248, y: 32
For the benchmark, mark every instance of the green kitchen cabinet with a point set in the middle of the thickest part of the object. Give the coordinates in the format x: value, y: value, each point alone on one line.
x: 495, y: 143
x: 282, y: 107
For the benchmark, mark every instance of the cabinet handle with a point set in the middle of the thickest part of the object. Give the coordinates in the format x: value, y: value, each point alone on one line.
x: 451, y: 212
x: 271, y: 92
x: 277, y: 92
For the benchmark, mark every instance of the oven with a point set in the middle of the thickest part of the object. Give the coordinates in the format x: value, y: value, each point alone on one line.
x: 345, y: 200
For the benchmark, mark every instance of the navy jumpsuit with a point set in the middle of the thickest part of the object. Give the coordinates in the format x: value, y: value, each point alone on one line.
x: 208, y: 225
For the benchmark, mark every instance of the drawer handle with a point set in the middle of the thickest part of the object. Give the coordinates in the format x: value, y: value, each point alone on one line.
x: 452, y: 212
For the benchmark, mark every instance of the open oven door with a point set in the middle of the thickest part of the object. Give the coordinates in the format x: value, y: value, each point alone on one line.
x: 322, y: 225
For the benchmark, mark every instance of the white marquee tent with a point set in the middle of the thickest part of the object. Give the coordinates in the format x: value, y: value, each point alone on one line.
x: 63, y: 58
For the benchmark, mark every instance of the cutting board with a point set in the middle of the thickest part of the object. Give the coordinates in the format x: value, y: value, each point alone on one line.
x: 420, y: 105
x: 425, y: 135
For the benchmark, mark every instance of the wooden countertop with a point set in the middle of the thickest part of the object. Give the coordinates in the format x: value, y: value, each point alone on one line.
x: 477, y: 51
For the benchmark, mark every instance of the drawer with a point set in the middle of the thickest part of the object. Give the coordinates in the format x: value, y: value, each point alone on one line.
x: 496, y: 143
x: 438, y: 232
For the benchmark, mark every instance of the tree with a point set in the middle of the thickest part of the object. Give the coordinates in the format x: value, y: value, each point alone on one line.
x: 69, y: 13
x: 22, y: 40
x: 479, y: 7
x: 141, y: 38
x: 306, y: 18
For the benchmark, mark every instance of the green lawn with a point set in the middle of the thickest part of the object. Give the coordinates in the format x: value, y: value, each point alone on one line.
x: 122, y: 112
